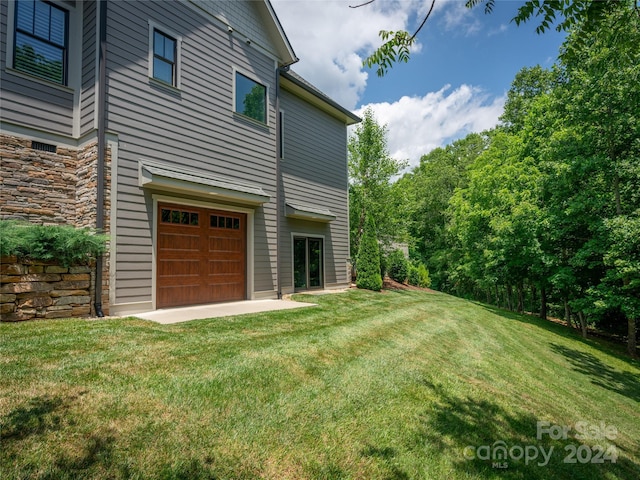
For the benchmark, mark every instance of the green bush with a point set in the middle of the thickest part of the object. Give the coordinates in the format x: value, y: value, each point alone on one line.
x: 64, y: 244
x: 419, y: 275
x: 398, y: 266
x: 384, y: 261
x: 368, y: 263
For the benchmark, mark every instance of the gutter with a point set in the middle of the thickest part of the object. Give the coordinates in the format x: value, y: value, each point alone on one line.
x: 102, y: 145
x: 279, y: 203
x: 278, y: 184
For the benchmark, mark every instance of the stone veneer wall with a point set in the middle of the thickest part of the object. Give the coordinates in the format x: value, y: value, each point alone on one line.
x: 54, y: 188
x: 39, y: 290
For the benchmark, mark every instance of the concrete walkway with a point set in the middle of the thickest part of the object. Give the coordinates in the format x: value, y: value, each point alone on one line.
x: 177, y: 315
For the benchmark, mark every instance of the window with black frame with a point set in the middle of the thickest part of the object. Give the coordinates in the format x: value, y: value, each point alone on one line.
x: 164, y: 57
x: 41, y: 40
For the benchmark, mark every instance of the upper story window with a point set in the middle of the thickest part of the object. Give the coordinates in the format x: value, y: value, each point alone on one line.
x: 165, y: 50
x: 164, y: 57
x: 41, y: 40
x: 251, y: 98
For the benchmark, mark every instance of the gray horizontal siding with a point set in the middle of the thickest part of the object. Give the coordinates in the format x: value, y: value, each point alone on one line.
x: 314, y: 173
x: 88, y: 94
x: 31, y: 102
x: 194, y: 127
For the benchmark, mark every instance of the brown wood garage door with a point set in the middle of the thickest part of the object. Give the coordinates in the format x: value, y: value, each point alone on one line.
x: 201, y: 256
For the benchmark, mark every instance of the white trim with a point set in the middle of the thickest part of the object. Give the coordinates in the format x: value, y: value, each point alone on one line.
x: 74, y: 75
x: 178, y: 38
x: 252, y: 77
x: 112, y: 142
x: 308, y: 235
x: 158, y: 198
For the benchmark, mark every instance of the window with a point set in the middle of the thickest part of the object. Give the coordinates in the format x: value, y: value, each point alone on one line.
x: 41, y: 38
x: 179, y: 217
x: 281, y: 134
x: 218, y: 221
x: 251, y: 98
x: 164, y: 57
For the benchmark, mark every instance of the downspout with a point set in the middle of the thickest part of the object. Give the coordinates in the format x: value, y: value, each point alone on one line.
x: 279, y: 205
x: 102, y: 145
x: 278, y: 184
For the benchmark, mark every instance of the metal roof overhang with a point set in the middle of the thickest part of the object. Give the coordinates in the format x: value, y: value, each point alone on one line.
x: 305, y: 212
x: 192, y: 182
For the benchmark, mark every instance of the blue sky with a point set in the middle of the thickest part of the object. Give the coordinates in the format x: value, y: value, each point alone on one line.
x: 454, y: 83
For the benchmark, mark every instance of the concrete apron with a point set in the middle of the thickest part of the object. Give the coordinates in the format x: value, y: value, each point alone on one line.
x: 216, y: 310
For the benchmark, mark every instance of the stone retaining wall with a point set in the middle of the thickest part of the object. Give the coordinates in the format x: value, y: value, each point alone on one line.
x: 52, y: 188
x: 32, y: 290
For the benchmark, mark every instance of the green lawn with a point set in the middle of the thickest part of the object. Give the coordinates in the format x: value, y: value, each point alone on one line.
x: 394, y: 385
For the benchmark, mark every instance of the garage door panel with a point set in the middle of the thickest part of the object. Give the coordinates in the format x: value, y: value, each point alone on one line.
x: 225, y: 244
x: 179, y: 242
x: 180, y: 295
x: 179, y: 267
x: 224, y: 292
x: 201, y: 256
x: 226, y: 267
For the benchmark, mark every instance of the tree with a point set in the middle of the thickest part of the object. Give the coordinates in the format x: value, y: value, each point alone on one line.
x: 427, y: 190
x: 621, y: 285
x: 368, y: 263
x: 529, y: 85
x: 371, y: 170
x: 590, y: 14
x: 398, y: 268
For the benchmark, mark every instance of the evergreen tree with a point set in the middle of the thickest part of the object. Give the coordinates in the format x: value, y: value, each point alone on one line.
x: 368, y: 263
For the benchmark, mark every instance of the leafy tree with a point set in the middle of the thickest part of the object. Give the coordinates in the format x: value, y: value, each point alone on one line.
x: 398, y: 266
x: 368, y: 262
x: 590, y: 14
x: 621, y: 284
x: 371, y: 192
x: 419, y: 275
x: 526, y: 88
x: 427, y: 191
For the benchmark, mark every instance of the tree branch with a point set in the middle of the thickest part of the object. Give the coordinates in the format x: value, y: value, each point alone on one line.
x: 362, y: 4
x: 433, y: 3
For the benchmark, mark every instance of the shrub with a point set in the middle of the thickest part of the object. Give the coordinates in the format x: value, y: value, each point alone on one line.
x: 419, y: 275
x: 398, y: 266
x: 368, y: 263
x: 384, y: 261
x: 65, y: 244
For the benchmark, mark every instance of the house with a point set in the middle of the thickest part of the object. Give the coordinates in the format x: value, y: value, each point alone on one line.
x: 178, y: 128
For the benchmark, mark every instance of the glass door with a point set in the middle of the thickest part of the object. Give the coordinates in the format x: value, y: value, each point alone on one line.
x: 307, y: 263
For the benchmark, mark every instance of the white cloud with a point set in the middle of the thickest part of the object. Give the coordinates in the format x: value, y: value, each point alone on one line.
x: 332, y: 40
x: 417, y: 125
x: 460, y: 19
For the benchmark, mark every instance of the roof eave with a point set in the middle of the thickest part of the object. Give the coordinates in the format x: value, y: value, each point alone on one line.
x: 302, y: 89
x: 285, y: 51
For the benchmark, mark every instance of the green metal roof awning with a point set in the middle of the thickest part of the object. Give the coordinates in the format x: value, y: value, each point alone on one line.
x: 188, y: 181
x: 305, y: 212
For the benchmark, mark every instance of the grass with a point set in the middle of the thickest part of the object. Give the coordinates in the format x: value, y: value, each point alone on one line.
x: 394, y: 385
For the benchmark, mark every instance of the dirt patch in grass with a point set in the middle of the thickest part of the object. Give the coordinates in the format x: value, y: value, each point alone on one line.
x: 390, y: 284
